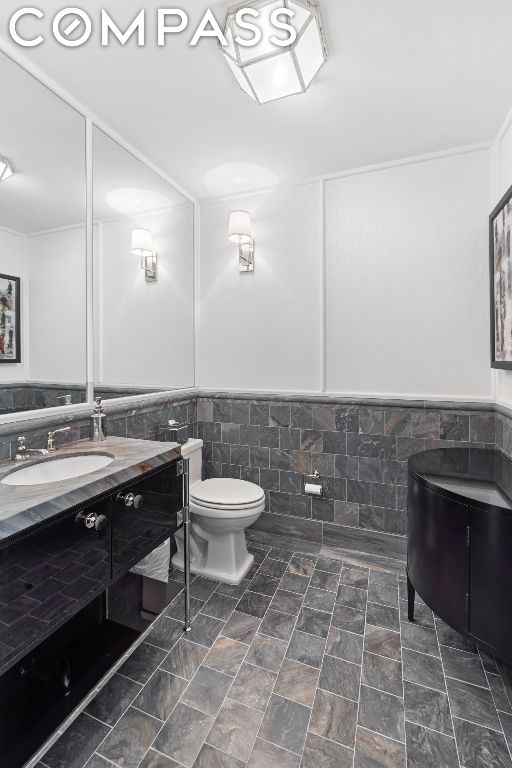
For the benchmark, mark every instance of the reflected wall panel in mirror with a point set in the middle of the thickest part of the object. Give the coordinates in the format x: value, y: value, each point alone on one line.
x: 42, y: 246
x: 144, y: 322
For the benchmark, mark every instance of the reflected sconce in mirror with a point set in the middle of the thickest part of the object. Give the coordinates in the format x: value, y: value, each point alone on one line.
x: 6, y: 169
x: 240, y: 232
x: 142, y: 245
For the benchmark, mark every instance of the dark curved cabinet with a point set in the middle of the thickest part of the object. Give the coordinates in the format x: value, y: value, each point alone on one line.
x: 459, y: 542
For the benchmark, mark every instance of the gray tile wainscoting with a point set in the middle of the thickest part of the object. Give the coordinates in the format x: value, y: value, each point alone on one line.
x: 360, y: 449
x: 140, y: 421
x: 31, y: 395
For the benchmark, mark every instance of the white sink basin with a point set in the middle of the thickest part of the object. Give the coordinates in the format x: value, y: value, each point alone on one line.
x: 55, y: 470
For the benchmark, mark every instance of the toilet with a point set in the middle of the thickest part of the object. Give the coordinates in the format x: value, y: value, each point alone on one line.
x: 220, y: 511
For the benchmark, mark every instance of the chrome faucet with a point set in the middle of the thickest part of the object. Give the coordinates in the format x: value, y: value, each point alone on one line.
x: 23, y: 453
x: 51, y: 447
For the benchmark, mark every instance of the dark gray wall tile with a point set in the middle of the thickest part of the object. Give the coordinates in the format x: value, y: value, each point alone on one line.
x: 426, y: 424
x: 324, y: 417
x: 280, y: 414
x: 454, y: 426
x: 371, y: 421
x: 397, y: 422
x: 301, y: 416
x: 260, y: 414
x: 269, y: 437
x: 289, y: 438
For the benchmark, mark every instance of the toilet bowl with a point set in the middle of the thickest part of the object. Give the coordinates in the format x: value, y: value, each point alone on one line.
x: 220, y: 511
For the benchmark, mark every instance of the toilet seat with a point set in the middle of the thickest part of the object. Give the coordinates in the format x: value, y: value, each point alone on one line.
x: 226, y: 495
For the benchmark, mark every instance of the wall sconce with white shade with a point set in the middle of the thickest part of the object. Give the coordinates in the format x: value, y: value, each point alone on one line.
x: 240, y: 232
x: 267, y: 71
x: 142, y: 246
x: 6, y: 169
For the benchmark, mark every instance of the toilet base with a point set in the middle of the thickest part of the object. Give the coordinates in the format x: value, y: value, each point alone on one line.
x: 202, y: 569
x: 223, y: 558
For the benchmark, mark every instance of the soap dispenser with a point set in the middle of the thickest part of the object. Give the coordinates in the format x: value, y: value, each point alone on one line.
x: 98, y: 422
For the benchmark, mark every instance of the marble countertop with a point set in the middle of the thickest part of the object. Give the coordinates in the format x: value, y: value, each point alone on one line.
x: 22, y: 507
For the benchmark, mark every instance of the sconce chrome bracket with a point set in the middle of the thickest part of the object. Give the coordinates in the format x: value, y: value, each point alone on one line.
x: 246, y: 257
x: 150, y: 264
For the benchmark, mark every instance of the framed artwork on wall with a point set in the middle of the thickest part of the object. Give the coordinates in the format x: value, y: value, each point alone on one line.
x: 10, y: 330
x: 500, y: 263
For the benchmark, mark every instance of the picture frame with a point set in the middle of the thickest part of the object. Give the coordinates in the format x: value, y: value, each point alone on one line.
x: 10, y: 319
x: 500, y: 280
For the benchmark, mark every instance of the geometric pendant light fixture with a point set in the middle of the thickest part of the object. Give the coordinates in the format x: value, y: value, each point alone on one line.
x: 6, y: 170
x: 267, y: 71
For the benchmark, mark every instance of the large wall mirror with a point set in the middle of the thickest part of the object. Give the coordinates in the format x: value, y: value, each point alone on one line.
x: 142, y: 260
x: 143, y: 257
x: 42, y: 246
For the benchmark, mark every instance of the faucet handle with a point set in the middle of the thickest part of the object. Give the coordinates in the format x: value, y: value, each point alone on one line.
x: 51, y: 438
x: 22, y: 450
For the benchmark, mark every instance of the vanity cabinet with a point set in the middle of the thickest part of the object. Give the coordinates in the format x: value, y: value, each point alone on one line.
x: 50, y: 573
x: 459, y: 542
x: 70, y: 607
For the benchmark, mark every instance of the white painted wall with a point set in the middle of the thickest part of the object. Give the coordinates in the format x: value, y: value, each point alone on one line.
x: 502, y: 182
x: 260, y: 330
x: 406, y: 285
x: 145, y: 331
x: 57, y: 307
x: 13, y: 261
x: 407, y: 303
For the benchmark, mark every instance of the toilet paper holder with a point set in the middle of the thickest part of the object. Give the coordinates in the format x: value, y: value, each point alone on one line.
x: 312, y: 488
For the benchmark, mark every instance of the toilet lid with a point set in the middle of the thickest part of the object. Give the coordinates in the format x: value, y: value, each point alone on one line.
x: 226, y: 492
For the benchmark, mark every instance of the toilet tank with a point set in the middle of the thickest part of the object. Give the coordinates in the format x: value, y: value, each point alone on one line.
x: 193, y: 450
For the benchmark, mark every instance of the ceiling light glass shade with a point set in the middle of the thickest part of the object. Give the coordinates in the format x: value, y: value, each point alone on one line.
x: 240, y: 228
x: 6, y: 170
x: 267, y: 71
x: 142, y: 243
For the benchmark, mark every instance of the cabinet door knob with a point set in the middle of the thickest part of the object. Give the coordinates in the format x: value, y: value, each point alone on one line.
x: 92, y: 521
x: 130, y: 500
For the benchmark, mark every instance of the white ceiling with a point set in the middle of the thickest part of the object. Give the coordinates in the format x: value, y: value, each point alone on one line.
x: 404, y: 77
x: 44, y: 139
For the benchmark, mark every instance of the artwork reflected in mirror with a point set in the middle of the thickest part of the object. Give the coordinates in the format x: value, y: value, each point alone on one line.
x: 10, y: 330
x: 42, y: 246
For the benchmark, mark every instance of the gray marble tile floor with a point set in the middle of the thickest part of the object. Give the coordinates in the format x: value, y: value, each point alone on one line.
x: 310, y: 663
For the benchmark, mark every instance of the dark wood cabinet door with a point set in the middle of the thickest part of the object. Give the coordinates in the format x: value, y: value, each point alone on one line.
x: 144, y: 514
x: 49, y: 576
x: 491, y: 579
x: 437, y: 552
